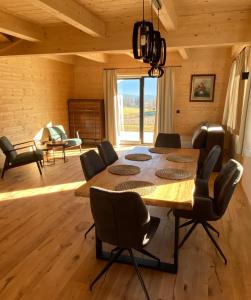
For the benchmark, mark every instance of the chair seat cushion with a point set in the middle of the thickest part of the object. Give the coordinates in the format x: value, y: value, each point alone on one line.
x: 28, y: 157
x: 73, y: 142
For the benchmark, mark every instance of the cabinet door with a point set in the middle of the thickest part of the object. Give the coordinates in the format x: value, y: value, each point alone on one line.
x: 87, y: 116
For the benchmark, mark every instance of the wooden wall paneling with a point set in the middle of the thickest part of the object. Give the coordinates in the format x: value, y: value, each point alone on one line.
x: 33, y: 93
x: 88, y: 83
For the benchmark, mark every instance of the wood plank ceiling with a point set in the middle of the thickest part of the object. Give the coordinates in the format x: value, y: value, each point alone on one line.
x: 104, y: 26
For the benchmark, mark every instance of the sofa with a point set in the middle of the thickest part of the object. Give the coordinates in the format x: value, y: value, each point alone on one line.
x: 205, y: 137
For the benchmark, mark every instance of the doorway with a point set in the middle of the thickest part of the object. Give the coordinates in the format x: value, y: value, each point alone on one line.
x: 137, y: 109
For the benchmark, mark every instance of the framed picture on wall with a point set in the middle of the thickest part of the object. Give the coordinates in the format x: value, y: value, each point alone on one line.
x: 202, y: 87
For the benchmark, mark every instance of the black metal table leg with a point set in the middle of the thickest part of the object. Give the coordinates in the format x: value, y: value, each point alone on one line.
x: 176, y: 243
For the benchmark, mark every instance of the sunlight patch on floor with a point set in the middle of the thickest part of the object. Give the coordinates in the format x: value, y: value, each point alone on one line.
x: 40, y: 191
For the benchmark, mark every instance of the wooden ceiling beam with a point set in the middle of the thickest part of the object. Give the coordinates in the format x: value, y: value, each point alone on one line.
x: 68, y: 40
x: 74, y: 14
x: 97, y: 57
x: 167, y: 14
x: 67, y: 59
x: 19, y: 28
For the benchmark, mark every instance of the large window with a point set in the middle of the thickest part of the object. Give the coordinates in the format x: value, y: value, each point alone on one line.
x: 137, y: 108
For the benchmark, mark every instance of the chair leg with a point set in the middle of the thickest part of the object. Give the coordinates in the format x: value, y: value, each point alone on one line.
x: 188, y: 234
x: 143, y: 251
x: 41, y: 163
x: 107, y: 267
x: 212, y: 228
x: 187, y: 223
x: 89, y: 230
x: 5, y: 167
x: 39, y: 168
x: 215, y: 243
x: 80, y: 148
x: 139, y: 274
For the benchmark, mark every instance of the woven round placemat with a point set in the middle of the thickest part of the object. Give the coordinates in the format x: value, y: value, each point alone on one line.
x: 141, y: 187
x: 124, y: 170
x: 173, y: 174
x: 159, y: 150
x: 180, y: 158
x: 138, y: 156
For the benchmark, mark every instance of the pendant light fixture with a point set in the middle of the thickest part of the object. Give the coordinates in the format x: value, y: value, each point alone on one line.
x: 159, y: 56
x: 148, y: 44
x: 143, y: 38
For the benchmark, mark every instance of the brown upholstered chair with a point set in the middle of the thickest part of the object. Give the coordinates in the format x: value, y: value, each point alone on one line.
x: 203, y: 174
x: 14, y: 159
x: 205, y: 137
x: 169, y: 140
x: 204, y: 171
x: 122, y: 220
x: 91, y: 164
x: 107, y: 153
x: 212, y: 209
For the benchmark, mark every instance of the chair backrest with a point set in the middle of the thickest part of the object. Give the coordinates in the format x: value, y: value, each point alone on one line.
x: 57, y: 133
x: 121, y: 218
x: 170, y: 140
x: 225, y: 184
x: 209, y: 163
x: 91, y: 164
x: 107, y: 153
x: 199, y: 138
x: 7, y: 148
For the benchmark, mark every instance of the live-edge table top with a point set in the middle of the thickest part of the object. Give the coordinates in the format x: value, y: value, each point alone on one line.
x: 167, y: 193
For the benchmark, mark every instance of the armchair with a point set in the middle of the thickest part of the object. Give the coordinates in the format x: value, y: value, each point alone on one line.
x: 57, y: 133
x: 14, y: 159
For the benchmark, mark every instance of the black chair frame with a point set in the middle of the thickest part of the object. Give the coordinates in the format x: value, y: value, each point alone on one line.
x: 16, y: 147
x: 115, y: 254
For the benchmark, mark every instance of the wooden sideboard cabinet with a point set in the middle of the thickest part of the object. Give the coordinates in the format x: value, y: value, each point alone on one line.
x: 87, y: 117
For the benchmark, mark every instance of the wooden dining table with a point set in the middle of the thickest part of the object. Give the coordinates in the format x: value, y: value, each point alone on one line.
x: 176, y: 194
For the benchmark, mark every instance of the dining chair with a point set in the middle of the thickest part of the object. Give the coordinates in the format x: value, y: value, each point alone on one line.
x: 14, y: 159
x: 122, y: 220
x: 107, y: 153
x: 91, y: 164
x: 169, y: 140
x: 204, y: 172
x: 207, y: 209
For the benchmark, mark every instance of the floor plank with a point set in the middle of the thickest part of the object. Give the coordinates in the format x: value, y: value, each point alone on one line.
x: 43, y: 253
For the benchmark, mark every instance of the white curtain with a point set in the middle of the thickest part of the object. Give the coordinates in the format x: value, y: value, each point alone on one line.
x: 165, y: 95
x: 246, y: 149
x: 237, y: 100
x: 111, y: 106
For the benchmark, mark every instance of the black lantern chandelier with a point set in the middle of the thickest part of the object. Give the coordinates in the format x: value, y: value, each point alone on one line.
x: 149, y: 46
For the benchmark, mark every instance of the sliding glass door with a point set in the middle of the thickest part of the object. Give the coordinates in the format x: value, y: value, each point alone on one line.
x: 137, y: 108
x: 129, y: 109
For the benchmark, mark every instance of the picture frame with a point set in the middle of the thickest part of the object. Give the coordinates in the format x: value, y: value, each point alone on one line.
x: 202, y: 87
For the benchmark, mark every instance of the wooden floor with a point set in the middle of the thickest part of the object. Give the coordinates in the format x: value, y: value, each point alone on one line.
x: 44, y: 256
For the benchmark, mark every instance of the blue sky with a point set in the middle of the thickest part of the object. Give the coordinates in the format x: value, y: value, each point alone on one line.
x: 131, y: 87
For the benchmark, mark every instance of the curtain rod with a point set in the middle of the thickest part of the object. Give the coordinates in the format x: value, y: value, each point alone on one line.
x: 138, y: 68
